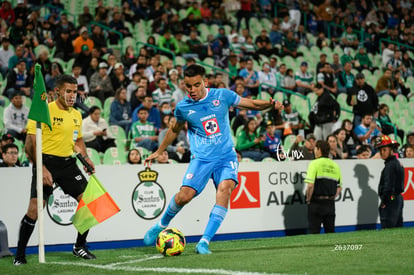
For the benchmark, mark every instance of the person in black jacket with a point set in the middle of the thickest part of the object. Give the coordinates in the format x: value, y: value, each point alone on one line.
x: 363, y: 98
x: 64, y: 47
x: 391, y: 184
x: 324, y: 113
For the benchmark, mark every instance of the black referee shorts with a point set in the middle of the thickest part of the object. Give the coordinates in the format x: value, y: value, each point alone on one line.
x: 65, y: 173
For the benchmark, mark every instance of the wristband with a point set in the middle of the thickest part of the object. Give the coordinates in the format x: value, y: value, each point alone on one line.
x: 85, y: 156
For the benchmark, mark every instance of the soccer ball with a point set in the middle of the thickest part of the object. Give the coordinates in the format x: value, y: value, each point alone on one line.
x: 170, y: 242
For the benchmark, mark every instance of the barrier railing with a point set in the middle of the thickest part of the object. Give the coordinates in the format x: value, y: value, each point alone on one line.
x: 215, y: 69
x: 399, y: 44
x: 121, y: 36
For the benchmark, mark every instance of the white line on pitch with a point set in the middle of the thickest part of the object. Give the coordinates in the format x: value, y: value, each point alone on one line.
x: 164, y: 269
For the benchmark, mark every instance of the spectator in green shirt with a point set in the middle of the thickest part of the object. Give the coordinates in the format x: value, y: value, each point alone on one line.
x: 143, y: 132
x: 363, y: 59
x: 250, y: 143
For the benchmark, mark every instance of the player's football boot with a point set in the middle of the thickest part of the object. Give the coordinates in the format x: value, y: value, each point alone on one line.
x: 202, y: 248
x: 152, y: 234
x: 83, y: 252
x: 19, y: 261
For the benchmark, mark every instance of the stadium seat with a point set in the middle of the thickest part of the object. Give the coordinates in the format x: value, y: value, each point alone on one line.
x: 288, y: 142
x: 265, y: 95
x: 113, y: 156
x: 312, y: 97
x: 93, y: 101
x: 4, y: 99
x: 107, y: 107
x: 387, y: 99
x: 27, y: 101
x: 278, y: 96
x: 268, y: 159
x: 94, y: 156
x: 247, y: 160
x: 119, y: 134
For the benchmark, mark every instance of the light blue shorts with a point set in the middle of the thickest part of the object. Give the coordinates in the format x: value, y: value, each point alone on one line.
x: 199, y: 172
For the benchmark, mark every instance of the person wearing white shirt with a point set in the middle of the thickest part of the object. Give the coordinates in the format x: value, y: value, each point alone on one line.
x: 265, y: 76
x: 83, y: 88
x: 15, y: 117
x: 95, y: 131
x: 5, y: 54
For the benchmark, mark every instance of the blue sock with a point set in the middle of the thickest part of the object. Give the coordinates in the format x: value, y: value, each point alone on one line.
x: 172, y: 210
x: 216, y: 218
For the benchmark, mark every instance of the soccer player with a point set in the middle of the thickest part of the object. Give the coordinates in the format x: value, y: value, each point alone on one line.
x: 58, y: 166
x: 213, y: 154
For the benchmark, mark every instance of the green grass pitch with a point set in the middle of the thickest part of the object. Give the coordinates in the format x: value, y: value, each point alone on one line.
x: 365, y: 252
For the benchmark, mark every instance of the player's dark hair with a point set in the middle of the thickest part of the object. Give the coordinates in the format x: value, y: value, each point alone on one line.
x: 143, y: 109
x: 129, y: 154
x: 65, y: 78
x: 93, y: 109
x: 194, y: 70
x: 324, y: 147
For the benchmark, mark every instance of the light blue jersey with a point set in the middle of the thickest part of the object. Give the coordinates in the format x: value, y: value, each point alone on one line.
x: 208, y: 123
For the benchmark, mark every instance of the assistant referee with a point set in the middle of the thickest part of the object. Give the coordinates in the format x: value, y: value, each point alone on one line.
x: 324, y: 184
x: 59, y: 166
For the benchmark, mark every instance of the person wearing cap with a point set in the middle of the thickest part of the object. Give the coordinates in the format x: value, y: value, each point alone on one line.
x: 100, y: 84
x: 15, y: 117
x: 306, y: 151
x: 64, y: 46
x: 273, y: 142
x: 391, y: 184
x: 118, y: 77
x: 82, y: 39
x: 303, y: 79
x: 324, y: 184
x: 5, y: 139
x: 19, y: 80
x: 325, y: 112
x: 292, y: 117
x: 84, y: 58
x: 362, y: 98
x: 6, y: 53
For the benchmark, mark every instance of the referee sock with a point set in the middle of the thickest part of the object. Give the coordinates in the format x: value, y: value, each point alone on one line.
x: 172, y: 210
x: 27, y: 226
x: 217, y: 215
x: 81, y: 239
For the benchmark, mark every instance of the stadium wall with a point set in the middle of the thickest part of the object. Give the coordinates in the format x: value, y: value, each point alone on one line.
x: 269, y: 201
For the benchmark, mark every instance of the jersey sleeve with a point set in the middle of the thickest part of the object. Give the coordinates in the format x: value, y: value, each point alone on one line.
x: 31, y: 127
x: 311, y: 173
x: 232, y: 99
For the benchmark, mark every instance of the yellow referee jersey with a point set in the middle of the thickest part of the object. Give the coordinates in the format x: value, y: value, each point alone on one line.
x: 66, y: 129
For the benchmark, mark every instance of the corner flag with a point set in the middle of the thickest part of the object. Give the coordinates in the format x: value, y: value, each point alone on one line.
x: 39, y: 110
x: 95, y: 206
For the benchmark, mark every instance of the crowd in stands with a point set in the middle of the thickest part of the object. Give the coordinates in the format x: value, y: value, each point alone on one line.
x: 351, y: 59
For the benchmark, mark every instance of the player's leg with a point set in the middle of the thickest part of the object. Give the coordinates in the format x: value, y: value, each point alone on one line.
x: 329, y: 216
x: 73, y: 182
x: 28, y: 222
x: 195, y: 179
x: 226, y: 174
x: 26, y: 228
x: 314, y: 218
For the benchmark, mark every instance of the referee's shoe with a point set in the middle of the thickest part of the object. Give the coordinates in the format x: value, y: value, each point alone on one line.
x: 83, y: 252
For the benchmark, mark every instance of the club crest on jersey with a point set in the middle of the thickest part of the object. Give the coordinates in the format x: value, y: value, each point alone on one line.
x: 211, y: 126
x: 216, y: 102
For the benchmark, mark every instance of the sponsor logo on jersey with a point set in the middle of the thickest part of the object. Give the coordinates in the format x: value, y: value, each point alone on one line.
x: 408, y: 193
x: 61, y: 207
x: 247, y: 192
x: 211, y: 126
x: 148, y: 197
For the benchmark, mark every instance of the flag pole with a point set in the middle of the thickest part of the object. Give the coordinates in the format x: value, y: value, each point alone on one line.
x: 39, y: 187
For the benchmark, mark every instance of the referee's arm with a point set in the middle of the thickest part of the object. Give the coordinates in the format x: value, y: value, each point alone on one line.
x: 80, y: 147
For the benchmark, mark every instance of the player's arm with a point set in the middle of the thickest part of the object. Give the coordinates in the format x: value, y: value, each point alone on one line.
x: 30, y: 148
x: 258, y: 104
x: 80, y: 147
x: 309, y: 192
x: 171, y: 135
